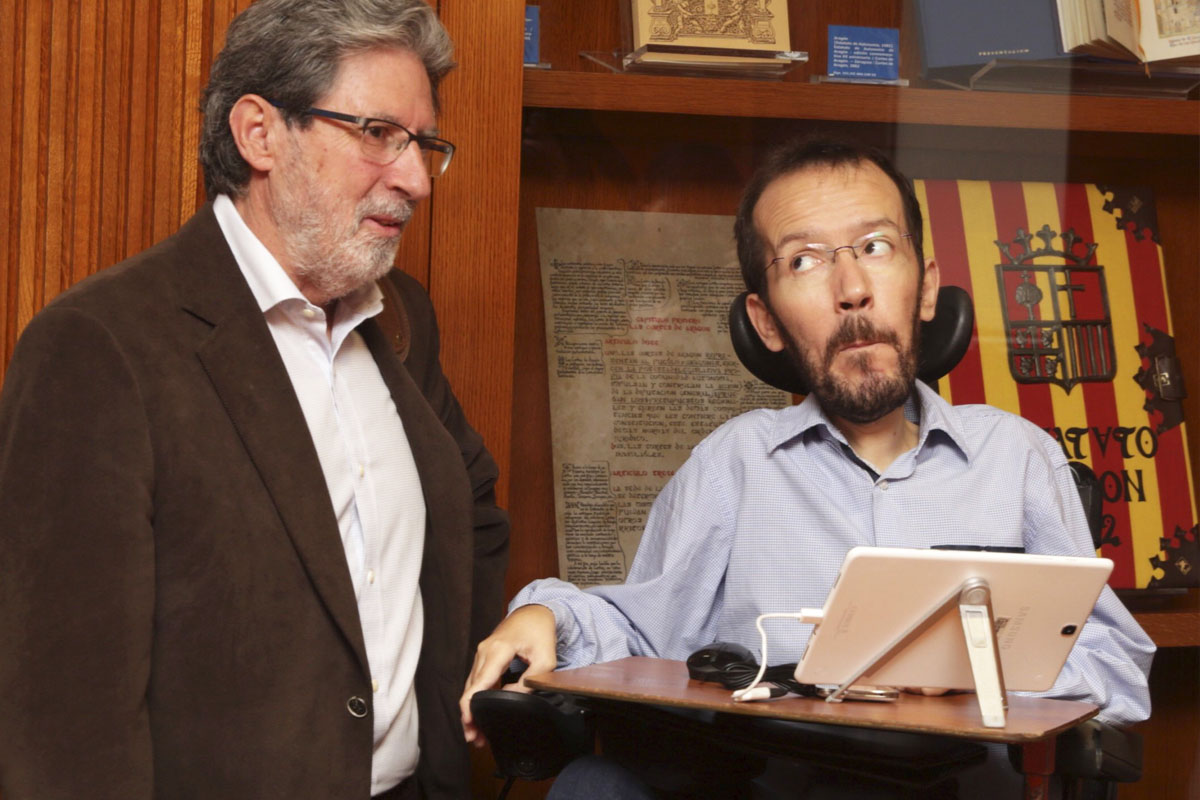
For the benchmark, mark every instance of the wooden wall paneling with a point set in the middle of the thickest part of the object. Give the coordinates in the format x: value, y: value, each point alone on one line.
x: 178, y: 82
x: 10, y: 207
x: 99, y: 136
x: 29, y: 157
x: 474, y: 237
x: 114, y: 133
x: 142, y: 83
x: 54, y: 117
x: 215, y: 16
x: 92, y: 98
x: 163, y: 128
x: 195, y: 70
x: 79, y: 133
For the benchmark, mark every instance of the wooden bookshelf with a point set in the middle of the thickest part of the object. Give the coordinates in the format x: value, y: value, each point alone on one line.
x: 666, y: 94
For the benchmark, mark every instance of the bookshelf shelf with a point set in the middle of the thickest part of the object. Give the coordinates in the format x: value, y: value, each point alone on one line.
x: 668, y: 94
x: 1171, y: 628
x: 1172, y: 621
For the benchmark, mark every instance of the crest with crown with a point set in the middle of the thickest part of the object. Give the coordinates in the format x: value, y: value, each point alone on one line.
x: 1054, y: 301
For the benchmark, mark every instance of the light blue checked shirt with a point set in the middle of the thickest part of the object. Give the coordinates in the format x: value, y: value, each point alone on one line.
x: 761, y: 515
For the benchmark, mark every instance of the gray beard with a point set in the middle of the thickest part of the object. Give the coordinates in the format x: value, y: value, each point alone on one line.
x: 353, y: 260
x: 334, y: 262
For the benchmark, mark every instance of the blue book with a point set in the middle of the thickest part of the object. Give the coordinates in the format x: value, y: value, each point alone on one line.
x: 532, y: 21
x: 962, y: 33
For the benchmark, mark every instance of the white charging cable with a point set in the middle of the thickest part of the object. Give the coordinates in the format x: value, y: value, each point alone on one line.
x: 754, y: 691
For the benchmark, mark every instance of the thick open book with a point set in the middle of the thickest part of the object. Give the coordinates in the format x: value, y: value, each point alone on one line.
x: 1139, y: 30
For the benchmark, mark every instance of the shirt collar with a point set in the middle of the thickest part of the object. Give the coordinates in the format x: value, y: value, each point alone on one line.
x: 936, y: 415
x: 924, y: 406
x: 268, y: 281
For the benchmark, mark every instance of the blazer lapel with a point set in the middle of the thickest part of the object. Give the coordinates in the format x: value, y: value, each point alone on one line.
x: 248, y: 375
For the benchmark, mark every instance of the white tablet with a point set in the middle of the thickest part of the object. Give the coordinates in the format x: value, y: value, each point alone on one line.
x: 1039, y: 604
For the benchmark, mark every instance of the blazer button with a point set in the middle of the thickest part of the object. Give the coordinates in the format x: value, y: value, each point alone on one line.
x: 356, y: 706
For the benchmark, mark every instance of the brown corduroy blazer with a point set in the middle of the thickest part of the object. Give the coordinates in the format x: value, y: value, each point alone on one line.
x: 176, y: 615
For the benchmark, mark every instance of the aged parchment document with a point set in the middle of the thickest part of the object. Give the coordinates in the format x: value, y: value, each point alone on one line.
x: 640, y: 365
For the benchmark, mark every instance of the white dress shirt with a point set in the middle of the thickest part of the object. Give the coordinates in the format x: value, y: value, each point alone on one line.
x: 369, y: 470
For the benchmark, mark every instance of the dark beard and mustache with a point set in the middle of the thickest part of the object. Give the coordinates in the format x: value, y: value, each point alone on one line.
x: 877, y: 393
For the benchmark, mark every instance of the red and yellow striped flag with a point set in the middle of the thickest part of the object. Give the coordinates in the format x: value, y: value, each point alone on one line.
x: 1058, y: 328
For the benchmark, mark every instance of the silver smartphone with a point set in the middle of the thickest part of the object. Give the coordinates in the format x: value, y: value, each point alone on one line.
x: 876, y: 694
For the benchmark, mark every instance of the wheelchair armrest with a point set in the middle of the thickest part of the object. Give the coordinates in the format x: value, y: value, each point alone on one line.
x: 1095, y: 750
x: 532, y: 736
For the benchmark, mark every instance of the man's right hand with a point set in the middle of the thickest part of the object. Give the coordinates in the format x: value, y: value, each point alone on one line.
x: 527, y: 633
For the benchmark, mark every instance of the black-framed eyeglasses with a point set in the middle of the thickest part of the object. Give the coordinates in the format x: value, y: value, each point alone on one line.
x: 875, y: 249
x: 382, y: 141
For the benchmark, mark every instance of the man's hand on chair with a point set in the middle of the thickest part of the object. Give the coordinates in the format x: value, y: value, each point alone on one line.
x: 528, y: 634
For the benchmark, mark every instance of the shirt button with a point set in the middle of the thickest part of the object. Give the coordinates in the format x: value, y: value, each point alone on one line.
x: 883, y: 485
x: 309, y: 313
x: 357, y: 707
x: 361, y: 470
x: 374, y: 685
x: 370, y: 576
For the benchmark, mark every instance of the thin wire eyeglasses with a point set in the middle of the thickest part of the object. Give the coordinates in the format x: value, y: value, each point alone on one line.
x: 875, y: 249
x: 382, y: 141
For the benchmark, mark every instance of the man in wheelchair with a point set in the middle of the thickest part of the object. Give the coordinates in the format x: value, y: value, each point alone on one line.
x: 829, y: 238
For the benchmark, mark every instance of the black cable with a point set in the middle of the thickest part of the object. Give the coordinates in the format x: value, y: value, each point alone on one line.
x: 739, y: 675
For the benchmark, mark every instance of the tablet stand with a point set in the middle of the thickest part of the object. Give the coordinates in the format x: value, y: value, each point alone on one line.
x: 974, y: 601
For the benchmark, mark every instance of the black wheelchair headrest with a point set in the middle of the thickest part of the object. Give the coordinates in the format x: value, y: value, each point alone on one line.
x: 1092, y: 496
x: 944, y: 341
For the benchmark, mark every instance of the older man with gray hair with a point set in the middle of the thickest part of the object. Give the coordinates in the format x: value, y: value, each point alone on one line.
x: 247, y: 537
